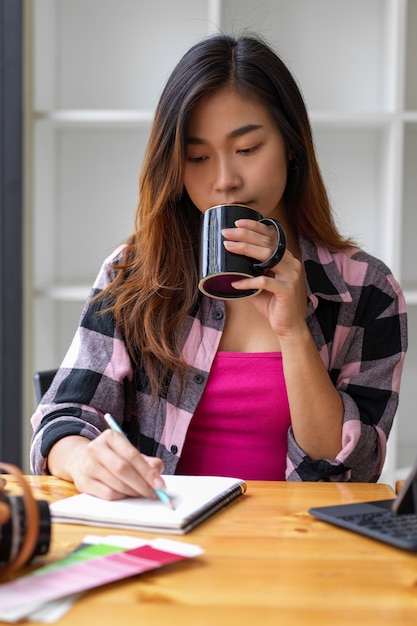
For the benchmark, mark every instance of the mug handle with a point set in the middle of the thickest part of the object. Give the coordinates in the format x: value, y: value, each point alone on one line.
x: 280, y: 248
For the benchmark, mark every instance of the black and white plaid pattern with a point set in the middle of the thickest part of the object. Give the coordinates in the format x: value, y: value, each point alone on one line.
x: 357, y: 318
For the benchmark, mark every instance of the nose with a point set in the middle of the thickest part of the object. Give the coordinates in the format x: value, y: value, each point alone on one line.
x: 227, y: 177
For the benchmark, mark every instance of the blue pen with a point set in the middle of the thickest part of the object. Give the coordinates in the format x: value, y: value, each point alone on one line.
x: 164, y: 497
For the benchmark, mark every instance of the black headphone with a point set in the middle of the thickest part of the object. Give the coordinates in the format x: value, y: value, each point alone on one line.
x: 25, y: 524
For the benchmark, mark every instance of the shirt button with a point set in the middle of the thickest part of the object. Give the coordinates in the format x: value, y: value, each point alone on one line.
x: 218, y: 315
x: 174, y: 449
x: 198, y: 378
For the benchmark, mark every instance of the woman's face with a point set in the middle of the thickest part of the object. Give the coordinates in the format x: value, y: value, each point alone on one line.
x: 235, y: 154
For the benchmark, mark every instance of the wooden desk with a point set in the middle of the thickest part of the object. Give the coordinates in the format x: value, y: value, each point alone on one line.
x: 266, y: 562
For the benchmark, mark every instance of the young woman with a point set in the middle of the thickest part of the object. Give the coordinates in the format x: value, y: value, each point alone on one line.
x: 299, y: 382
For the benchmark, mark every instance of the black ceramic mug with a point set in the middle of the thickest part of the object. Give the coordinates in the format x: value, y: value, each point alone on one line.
x: 220, y: 268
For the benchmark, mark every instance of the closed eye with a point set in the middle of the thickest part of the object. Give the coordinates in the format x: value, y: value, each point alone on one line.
x: 250, y: 150
x: 198, y: 159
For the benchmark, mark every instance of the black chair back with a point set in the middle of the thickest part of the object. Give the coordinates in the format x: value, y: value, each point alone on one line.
x: 42, y: 382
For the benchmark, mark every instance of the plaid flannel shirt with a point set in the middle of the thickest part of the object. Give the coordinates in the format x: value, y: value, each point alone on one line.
x: 357, y: 318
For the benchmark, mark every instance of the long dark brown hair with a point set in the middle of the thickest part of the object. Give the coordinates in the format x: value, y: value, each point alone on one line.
x: 156, y: 283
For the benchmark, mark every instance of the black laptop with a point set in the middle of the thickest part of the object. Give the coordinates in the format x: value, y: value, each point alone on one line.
x: 390, y: 521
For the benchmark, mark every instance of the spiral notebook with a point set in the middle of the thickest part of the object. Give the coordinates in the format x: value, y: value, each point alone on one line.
x: 195, y: 498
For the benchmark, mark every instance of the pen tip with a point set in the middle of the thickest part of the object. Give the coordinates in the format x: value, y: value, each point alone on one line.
x: 164, y: 497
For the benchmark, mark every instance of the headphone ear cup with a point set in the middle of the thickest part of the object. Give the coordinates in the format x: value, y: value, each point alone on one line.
x: 4, y: 507
x: 4, y: 513
x: 31, y: 517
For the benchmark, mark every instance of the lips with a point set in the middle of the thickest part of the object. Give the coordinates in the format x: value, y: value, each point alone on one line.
x: 240, y: 202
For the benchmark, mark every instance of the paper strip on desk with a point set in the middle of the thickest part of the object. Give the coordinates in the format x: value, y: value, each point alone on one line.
x: 91, y: 566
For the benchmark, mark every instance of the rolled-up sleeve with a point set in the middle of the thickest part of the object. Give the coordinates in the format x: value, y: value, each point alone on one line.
x: 90, y: 381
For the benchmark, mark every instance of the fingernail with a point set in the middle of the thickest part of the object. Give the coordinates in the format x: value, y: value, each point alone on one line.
x: 158, y: 483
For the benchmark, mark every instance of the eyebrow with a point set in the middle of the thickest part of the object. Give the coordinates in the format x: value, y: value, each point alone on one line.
x: 238, y: 132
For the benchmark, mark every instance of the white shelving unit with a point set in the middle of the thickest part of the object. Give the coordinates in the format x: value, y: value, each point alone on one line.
x: 96, y: 70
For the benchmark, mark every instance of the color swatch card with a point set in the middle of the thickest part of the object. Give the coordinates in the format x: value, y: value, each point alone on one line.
x: 98, y: 561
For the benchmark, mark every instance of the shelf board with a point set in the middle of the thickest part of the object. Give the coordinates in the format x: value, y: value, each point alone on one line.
x: 64, y: 293
x: 410, y: 296
x: 70, y: 118
x: 410, y: 117
x: 353, y: 119
x: 95, y: 118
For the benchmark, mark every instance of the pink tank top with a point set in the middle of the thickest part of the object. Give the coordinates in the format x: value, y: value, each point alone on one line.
x: 240, y: 425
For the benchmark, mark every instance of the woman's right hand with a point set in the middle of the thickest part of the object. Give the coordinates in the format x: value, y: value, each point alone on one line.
x: 108, y: 467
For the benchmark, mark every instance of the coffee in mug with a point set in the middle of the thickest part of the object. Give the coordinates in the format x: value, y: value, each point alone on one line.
x: 219, y: 268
